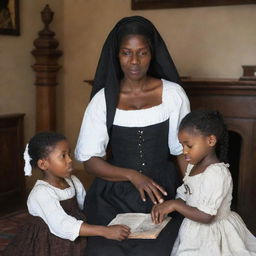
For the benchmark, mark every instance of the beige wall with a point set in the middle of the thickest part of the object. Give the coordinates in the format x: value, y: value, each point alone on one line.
x: 17, y: 90
x: 204, y: 42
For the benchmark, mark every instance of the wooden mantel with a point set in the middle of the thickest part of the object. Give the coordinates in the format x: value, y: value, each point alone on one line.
x: 219, y: 86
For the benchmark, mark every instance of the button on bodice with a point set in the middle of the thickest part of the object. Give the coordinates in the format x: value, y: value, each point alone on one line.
x: 140, y: 148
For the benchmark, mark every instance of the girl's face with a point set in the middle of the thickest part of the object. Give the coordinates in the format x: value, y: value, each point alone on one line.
x: 134, y: 57
x: 196, y: 147
x: 58, y: 162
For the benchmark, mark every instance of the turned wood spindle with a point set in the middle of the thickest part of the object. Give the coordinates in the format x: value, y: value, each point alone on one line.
x: 46, y: 68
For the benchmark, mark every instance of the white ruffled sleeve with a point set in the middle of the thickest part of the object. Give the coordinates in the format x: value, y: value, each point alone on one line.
x: 177, y: 101
x: 214, y: 188
x: 43, y: 202
x: 93, y: 137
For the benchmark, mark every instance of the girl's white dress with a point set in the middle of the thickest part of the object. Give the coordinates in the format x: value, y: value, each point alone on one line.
x: 227, y: 235
x: 44, y: 201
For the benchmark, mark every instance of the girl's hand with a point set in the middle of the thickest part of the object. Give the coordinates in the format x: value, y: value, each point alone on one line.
x: 145, y: 184
x: 160, y: 211
x: 117, y: 232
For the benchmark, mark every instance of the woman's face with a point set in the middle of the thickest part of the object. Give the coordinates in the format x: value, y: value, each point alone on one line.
x: 134, y: 57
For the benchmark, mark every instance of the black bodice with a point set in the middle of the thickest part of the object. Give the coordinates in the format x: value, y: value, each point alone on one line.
x: 140, y: 148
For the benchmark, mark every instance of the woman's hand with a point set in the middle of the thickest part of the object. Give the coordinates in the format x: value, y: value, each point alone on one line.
x: 117, y: 232
x: 99, y: 167
x: 160, y: 211
x: 146, y: 185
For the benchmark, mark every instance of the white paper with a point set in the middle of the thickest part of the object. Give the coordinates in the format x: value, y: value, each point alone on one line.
x: 140, y: 224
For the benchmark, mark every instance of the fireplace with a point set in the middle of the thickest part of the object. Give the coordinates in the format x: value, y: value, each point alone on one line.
x: 234, y: 152
x: 236, y: 100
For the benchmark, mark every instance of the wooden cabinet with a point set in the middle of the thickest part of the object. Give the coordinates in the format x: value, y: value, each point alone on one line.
x: 12, y: 180
x: 236, y: 100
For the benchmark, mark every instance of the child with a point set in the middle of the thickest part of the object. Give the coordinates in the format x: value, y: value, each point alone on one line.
x: 210, y: 227
x: 58, y: 226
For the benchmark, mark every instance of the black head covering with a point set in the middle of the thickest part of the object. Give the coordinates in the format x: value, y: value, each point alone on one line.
x: 109, y: 73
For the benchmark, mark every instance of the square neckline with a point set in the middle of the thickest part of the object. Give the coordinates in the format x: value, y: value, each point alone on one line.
x: 150, y: 108
x: 199, y: 174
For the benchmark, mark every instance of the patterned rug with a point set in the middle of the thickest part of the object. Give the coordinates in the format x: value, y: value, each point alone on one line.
x: 9, y: 226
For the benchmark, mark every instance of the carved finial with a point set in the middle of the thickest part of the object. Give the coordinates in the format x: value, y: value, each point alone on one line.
x: 46, y: 38
x: 46, y: 68
x: 47, y: 15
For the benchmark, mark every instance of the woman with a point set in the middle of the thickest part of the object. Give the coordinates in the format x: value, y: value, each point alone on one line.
x: 135, y: 109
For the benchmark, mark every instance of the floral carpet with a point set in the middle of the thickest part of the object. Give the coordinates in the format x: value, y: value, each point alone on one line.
x: 9, y: 226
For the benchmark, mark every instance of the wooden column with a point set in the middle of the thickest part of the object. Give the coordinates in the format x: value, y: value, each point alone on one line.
x: 46, y: 68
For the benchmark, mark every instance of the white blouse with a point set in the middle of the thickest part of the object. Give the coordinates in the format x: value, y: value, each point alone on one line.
x: 44, y: 201
x: 93, y: 138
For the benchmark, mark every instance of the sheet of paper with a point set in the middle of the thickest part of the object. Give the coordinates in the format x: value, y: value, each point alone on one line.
x: 141, y: 225
x: 132, y: 220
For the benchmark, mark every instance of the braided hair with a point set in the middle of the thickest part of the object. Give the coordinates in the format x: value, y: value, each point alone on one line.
x: 42, y: 144
x: 209, y: 122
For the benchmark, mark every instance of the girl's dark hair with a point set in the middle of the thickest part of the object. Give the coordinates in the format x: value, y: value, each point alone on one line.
x: 209, y: 122
x: 42, y: 144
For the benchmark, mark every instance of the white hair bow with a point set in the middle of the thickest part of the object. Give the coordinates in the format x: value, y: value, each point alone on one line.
x: 27, y: 158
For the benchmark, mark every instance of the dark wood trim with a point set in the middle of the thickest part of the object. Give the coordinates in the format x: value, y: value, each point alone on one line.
x: 12, y: 182
x: 161, y: 4
x: 201, y: 86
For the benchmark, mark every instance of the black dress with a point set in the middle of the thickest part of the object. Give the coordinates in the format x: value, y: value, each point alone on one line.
x: 144, y: 149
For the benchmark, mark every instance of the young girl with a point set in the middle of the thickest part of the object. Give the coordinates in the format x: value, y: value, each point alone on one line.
x: 210, y: 227
x: 58, y: 226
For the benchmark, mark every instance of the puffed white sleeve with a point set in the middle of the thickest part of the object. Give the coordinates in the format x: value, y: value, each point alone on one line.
x: 179, y: 106
x: 43, y: 202
x: 80, y: 191
x: 213, y: 189
x: 93, y: 137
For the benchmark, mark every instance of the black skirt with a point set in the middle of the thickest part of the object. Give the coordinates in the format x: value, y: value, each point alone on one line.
x: 144, y: 149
